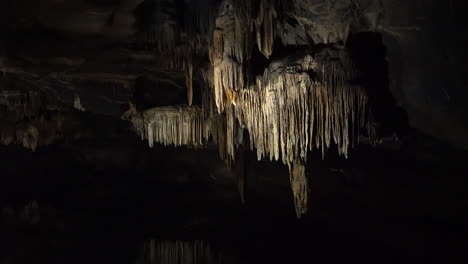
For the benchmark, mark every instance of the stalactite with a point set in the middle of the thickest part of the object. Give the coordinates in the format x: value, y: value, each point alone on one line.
x: 217, y: 48
x: 28, y: 136
x: 176, y: 252
x: 299, y: 186
x: 227, y: 76
x: 32, y: 133
x: 174, y: 125
x: 77, y: 104
x: 231, y: 48
x: 265, y: 25
x: 23, y: 104
x: 33, y: 103
x: 189, y: 82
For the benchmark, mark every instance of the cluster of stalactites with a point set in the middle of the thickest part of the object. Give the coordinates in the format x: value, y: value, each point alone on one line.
x: 23, y: 122
x: 236, y: 30
x: 23, y: 104
x: 172, y: 125
x: 226, y: 34
x: 183, y: 126
x: 176, y: 252
x: 288, y: 113
x: 33, y: 133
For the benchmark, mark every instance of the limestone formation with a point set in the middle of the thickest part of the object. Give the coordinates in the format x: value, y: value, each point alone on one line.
x: 275, y: 70
x: 286, y: 112
x: 77, y: 104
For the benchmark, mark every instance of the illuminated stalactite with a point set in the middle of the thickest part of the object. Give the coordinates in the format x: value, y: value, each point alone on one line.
x: 172, y: 125
x: 231, y: 48
x: 287, y: 113
x: 228, y: 75
x: 182, y: 126
x: 77, y: 104
x: 175, y: 252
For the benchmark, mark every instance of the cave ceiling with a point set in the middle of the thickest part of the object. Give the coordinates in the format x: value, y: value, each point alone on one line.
x: 187, y: 72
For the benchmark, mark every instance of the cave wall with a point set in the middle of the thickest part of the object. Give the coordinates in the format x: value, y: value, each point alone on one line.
x: 426, y: 55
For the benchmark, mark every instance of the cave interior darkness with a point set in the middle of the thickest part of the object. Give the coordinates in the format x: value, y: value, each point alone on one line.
x: 79, y: 183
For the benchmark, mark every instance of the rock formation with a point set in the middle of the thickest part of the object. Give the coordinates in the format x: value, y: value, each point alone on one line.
x: 207, y: 71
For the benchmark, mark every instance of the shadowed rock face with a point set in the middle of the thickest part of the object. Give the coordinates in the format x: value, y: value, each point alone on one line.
x: 425, y: 57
